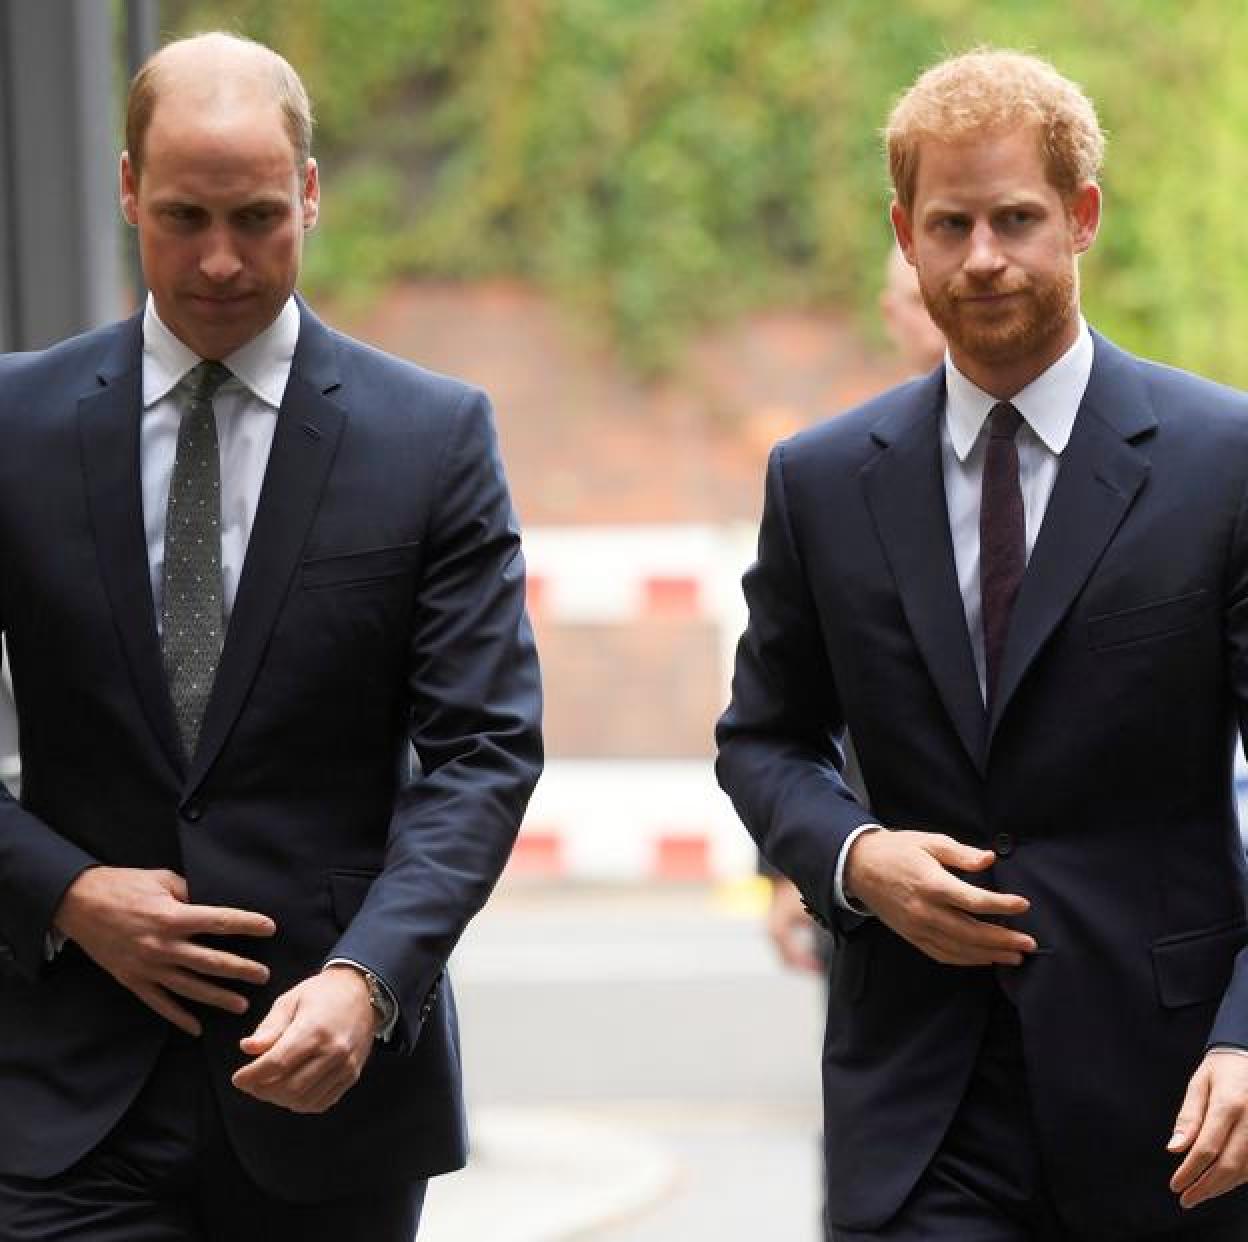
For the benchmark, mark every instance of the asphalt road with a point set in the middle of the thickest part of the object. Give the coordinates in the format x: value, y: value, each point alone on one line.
x: 642, y: 1056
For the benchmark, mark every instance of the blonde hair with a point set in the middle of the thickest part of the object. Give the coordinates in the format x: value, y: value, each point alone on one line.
x: 989, y: 90
x: 288, y: 93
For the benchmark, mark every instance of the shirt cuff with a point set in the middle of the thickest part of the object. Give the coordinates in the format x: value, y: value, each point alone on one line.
x: 846, y: 902
x: 1238, y: 1051
x: 388, y: 1017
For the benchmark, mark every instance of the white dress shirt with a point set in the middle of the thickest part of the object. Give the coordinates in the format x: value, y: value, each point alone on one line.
x: 246, y: 415
x: 1048, y: 406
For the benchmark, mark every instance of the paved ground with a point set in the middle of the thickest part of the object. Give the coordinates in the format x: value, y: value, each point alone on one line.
x: 640, y: 1070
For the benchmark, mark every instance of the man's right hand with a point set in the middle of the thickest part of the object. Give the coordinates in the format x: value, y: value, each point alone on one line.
x: 906, y: 879
x: 139, y: 926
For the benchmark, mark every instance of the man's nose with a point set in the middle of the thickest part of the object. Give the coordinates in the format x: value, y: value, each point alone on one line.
x: 219, y: 261
x: 984, y: 256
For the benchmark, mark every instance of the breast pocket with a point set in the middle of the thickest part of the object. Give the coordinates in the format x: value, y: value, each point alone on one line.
x: 1148, y: 622
x: 353, y: 569
x: 1196, y: 966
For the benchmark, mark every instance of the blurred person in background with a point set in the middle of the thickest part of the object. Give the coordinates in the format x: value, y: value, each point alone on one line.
x: 1021, y: 583
x: 800, y: 942
x: 245, y: 561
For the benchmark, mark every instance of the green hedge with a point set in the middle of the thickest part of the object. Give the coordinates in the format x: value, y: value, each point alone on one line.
x: 665, y: 163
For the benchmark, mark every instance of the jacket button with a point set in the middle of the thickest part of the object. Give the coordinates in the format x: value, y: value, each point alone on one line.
x: 193, y: 812
x: 1003, y: 845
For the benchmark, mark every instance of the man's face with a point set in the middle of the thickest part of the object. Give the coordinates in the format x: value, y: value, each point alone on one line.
x: 221, y: 212
x: 995, y: 248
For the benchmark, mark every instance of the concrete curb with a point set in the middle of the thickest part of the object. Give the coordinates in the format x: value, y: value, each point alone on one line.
x: 545, y: 1176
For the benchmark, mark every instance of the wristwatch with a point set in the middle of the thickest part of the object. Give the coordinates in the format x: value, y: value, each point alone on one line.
x: 380, y: 999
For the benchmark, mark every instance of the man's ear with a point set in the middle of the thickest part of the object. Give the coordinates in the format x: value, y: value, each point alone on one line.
x: 902, y: 230
x: 1084, y: 211
x: 129, y: 183
x: 311, y: 195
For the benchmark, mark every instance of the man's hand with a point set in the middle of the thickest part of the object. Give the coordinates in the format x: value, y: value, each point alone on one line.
x: 1212, y: 1128
x: 314, y: 1043
x: 905, y: 879
x: 139, y: 926
x: 790, y: 927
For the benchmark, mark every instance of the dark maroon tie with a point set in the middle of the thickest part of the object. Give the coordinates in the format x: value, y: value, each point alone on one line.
x: 1002, y: 536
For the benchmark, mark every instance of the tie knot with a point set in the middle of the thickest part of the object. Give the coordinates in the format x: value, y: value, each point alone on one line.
x: 202, y: 382
x: 1004, y: 421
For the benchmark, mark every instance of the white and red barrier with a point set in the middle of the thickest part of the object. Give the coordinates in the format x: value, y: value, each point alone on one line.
x: 636, y: 819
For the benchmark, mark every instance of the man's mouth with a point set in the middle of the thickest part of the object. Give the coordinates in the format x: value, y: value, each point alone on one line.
x: 988, y: 296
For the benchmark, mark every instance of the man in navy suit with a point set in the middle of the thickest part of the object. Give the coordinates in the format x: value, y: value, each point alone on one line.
x: 247, y: 567
x: 1022, y: 583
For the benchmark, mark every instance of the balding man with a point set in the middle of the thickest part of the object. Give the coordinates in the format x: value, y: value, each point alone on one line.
x: 246, y: 567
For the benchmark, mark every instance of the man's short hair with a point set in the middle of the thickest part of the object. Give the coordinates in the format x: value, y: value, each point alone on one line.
x: 989, y: 91
x: 288, y: 93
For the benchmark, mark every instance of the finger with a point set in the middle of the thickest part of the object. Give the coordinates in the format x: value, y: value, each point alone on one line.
x: 327, y: 1094
x: 953, y: 954
x: 964, y: 933
x: 1206, y: 1146
x: 275, y: 1068
x: 317, y: 1084
x: 272, y: 1026
x: 985, y: 902
x: 950, y: 853
x: 169, y: 1009
x: 1227, y: 1172
x: 175, y: 885
x: 1191, y: 1112
x: 224, y: 921
x: 219, y: 964
x: 184, y: 983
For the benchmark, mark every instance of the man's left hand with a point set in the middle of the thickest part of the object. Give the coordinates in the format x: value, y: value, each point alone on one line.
x: 313, y: 1045
x: 1212, y: 1128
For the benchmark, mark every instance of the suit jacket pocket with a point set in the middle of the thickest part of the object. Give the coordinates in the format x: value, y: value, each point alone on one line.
x: 1157, y: 620
x: 347, y: 890
x: 358, y: 568
x: 1196, y: 966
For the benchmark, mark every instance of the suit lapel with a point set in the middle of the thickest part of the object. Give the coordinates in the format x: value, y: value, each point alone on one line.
x: 305, y: 441
x: 1098, y: 480
x: 108, y: 428
x: 905, y: 492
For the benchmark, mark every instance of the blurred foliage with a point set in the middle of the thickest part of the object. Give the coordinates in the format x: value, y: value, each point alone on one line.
x: 662, y: 163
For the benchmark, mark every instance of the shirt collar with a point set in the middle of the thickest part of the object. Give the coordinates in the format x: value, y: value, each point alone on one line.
x: 262, y: 366
x: 1048, y: 404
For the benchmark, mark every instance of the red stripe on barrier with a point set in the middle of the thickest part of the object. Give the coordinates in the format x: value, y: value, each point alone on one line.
x: 682, y: 856
x: 538, y: 854
x: 672, y: 597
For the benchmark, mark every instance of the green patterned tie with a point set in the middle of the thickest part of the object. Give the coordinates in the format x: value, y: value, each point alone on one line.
x: 192, y: 612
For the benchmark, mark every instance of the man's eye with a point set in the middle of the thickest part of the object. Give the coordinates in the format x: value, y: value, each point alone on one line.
x: 257, y: 217
x: 1017, y: 219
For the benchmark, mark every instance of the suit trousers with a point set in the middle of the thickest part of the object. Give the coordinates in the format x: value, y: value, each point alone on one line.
x: 167, y: 1173
x: 986, y: 1184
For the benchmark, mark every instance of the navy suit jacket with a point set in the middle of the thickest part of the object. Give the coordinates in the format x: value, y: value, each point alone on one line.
x: 381, y: 603
x: 1102, y: 777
